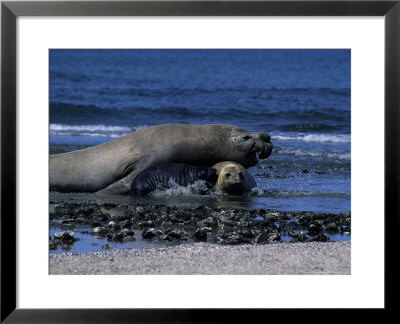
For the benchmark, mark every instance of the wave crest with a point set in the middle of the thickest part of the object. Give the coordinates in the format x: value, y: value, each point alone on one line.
x: 320, y: 138
x: 93, y: 130
x: 306, y: 153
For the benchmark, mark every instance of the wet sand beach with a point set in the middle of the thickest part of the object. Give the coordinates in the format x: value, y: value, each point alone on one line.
x: 212, y: 259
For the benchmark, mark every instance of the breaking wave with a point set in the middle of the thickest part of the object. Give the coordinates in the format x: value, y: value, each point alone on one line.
x: 309, y: 153
x: 319, y: 138
x: 93, y: 130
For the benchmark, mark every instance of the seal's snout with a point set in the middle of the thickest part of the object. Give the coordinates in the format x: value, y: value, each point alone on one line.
x: 266, y: 147
x: 265, y: 137
x: 236, y: 180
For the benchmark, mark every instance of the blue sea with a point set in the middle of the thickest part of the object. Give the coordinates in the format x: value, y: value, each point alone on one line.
x: 302, y: 98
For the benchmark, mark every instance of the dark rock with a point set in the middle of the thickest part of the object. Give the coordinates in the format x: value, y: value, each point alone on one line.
x: 64, y: 236
x: 267, y: 237
x: 274, y: 237
x: 299, y: 237
x: 146, y: 224
x: 183, y: 217
x: 114, y: 225
x: 246, y: 232
x: 127, y: 232
x: 174, y: 235
x: 314, y: 228
x: 128, y: 238
x: 149, y: 233
x: 95, y: 224
x: 208, y: 222
x: 100, y: 231
x: 106, y: 246
x: 201, y: 233
x: 126, y: 224
x: 68, y: 220
x: 231, y: 238
x: 262, y: 211
x: 82, y: 220
x: 66, y: 246
x: 331, y: 227
x: 140, y: 209
x: 177, y: 234
x: 109, y: 205
x: 320, y: 238
x: 261, y: 238
x: 119, y: 236
x: 165, y: 237
x: 345, y: 229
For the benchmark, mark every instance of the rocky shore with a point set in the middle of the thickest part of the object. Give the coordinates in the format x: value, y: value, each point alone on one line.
x: 197, y: 240
x: 165, y: 224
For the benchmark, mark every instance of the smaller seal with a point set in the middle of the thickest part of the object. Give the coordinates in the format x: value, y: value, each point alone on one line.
x: 160, y: 177
x: 233, y: 178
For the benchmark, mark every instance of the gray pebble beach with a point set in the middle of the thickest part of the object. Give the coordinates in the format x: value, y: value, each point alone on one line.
x: 311, y: 258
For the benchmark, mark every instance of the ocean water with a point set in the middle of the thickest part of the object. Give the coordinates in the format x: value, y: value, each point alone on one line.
x: 302, y: 98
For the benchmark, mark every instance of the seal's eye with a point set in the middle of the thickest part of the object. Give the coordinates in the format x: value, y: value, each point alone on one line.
x: 227, y: 175
x: 246, y: 137
x: 241, y: 174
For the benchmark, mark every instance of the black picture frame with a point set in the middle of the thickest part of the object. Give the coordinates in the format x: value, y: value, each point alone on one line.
x: 10, y: 10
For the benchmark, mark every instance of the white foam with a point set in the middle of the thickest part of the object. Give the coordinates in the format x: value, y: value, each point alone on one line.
x: 198, y: 188
x: 89, y: 128
x: 321, y: 138
x: 93, y: 130
x: 331, y: 155
x: 258, y: 191
x: 61, y: 133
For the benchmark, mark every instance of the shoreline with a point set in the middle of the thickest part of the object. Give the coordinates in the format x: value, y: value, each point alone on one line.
x: 309, y: 258
x: 138, y: 224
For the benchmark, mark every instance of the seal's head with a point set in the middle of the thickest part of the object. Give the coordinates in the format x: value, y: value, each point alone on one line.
x: 248, y: 147
x: 231, y: 177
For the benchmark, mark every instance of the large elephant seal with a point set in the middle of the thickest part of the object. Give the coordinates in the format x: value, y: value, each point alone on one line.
x: 233, y: 178
x: 160, y: 177
x: 111, y: 167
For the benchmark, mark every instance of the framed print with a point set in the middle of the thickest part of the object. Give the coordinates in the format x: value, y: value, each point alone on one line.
x: 271, y: 128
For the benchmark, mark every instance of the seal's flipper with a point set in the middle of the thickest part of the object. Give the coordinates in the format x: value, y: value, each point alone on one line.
x: 212, y: 176
x: 120, y: 187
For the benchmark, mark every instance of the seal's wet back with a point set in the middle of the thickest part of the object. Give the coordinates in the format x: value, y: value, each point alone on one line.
x: 161, y: 176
